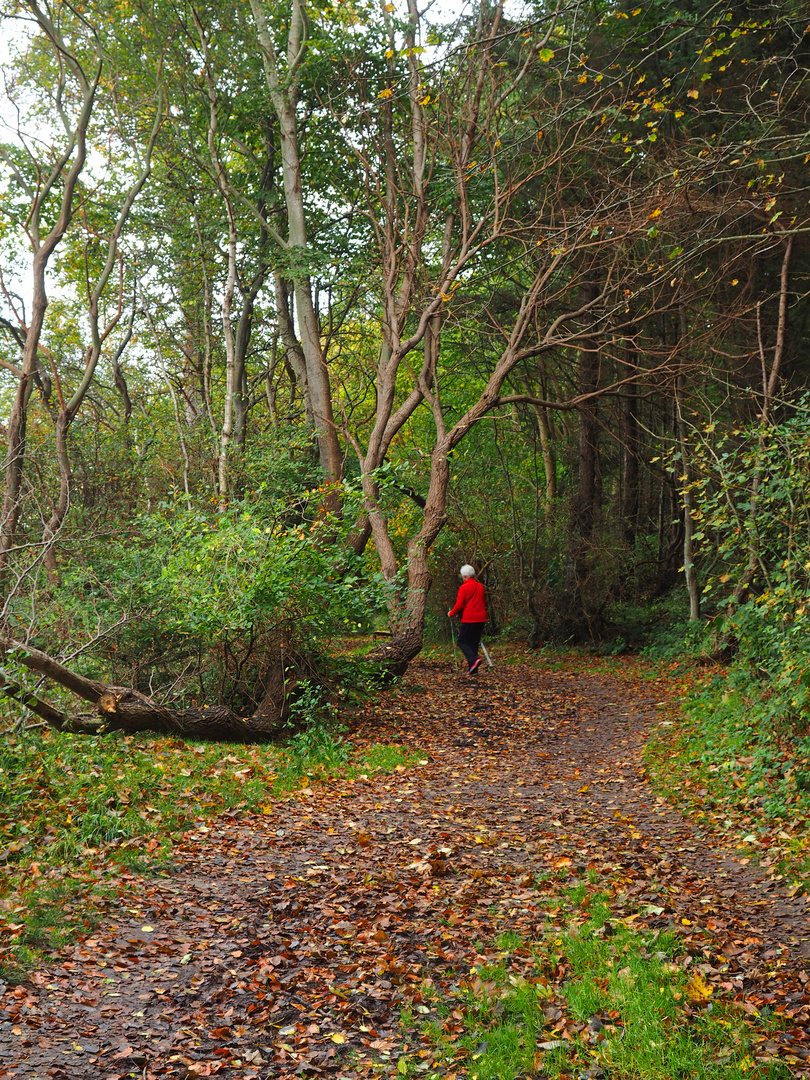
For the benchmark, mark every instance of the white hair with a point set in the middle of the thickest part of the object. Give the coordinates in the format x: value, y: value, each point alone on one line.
x: 467, y: 571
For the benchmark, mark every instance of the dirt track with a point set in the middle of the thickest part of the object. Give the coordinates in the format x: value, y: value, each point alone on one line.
x: 287, y: 942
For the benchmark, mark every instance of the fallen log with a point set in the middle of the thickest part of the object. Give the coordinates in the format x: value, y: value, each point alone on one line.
x: 122, y: 708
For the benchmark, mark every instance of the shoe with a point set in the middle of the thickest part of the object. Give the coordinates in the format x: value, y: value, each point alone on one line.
x: 474, y: 666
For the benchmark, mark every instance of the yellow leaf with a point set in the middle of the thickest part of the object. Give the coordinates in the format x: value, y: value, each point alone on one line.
x: 692, y: 93
x: 697, y: 989
x: 336, y: 1037
x: 654, y: 214
x: 148, y: 929
x: 584, y: 790
x: 686, y: 922
x: 388, y: 53
x: 388, y: 7
x: 385, y: 93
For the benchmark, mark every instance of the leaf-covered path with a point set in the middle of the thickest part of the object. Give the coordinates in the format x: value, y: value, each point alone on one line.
x: 289, y: 942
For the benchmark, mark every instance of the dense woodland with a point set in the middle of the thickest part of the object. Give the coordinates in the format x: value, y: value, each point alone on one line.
x: 303, y: 305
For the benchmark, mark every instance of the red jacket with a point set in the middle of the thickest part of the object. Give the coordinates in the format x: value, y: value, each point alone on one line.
x: 470, y: 602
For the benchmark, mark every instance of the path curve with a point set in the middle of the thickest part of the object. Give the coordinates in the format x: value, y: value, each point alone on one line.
x: 288, y: 941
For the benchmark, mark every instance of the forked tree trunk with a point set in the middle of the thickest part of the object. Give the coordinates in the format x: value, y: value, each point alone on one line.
x: 407, y: 613
x: 121, y: 708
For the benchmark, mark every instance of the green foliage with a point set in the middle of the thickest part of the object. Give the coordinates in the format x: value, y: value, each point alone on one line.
x: 752, y: 503
x: 317, y: 742
x: 663, y: 632
x: 209, y: 599
x: 751, y: 490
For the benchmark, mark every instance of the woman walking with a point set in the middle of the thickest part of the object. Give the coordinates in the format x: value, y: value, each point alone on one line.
x: 471, y: 605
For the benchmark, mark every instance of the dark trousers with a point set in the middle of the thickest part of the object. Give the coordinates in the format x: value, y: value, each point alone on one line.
x: 469, y: 638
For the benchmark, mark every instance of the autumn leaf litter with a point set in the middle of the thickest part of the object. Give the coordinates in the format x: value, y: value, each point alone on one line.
x: 291, y: 942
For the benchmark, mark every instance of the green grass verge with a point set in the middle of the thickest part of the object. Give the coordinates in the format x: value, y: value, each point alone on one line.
x: 727, y: 758
x: 596, y: 1000
x: 78, y: 812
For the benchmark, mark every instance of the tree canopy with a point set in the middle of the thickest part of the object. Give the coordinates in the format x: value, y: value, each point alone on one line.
x: 305, y: 304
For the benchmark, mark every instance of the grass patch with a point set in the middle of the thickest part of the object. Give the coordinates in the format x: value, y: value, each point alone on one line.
x: 78, y: 813
x: 599, y: 999
x: 726, y: 756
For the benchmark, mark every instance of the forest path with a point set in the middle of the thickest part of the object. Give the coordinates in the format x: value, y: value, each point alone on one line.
x: 288, y: 942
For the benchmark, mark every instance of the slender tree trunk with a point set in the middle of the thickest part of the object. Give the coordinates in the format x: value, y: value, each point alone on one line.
x: 62, y: 504
x: 588, y: 453
x: 241, y: 345
x: 685, y: 485
x: 17, y: 427
x: 407, y: 609
x: 292, y: 346
x: 284, y: 95
x: 207, y: 326
x: 549, y: 464
x: 231, y: 373
x: 630, y: 448
x: 583, y: 510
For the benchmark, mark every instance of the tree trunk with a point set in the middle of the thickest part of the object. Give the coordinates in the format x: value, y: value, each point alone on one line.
x: 284, y: 95
x: 407, y: 613
x: 689, y: 572
x: 292, y: 346
x: 121, y: 708
x: 15, y: 449
x: 583, y: 510
x: 549, y: 464
x: 629, y: 444
x: 588, y: 457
